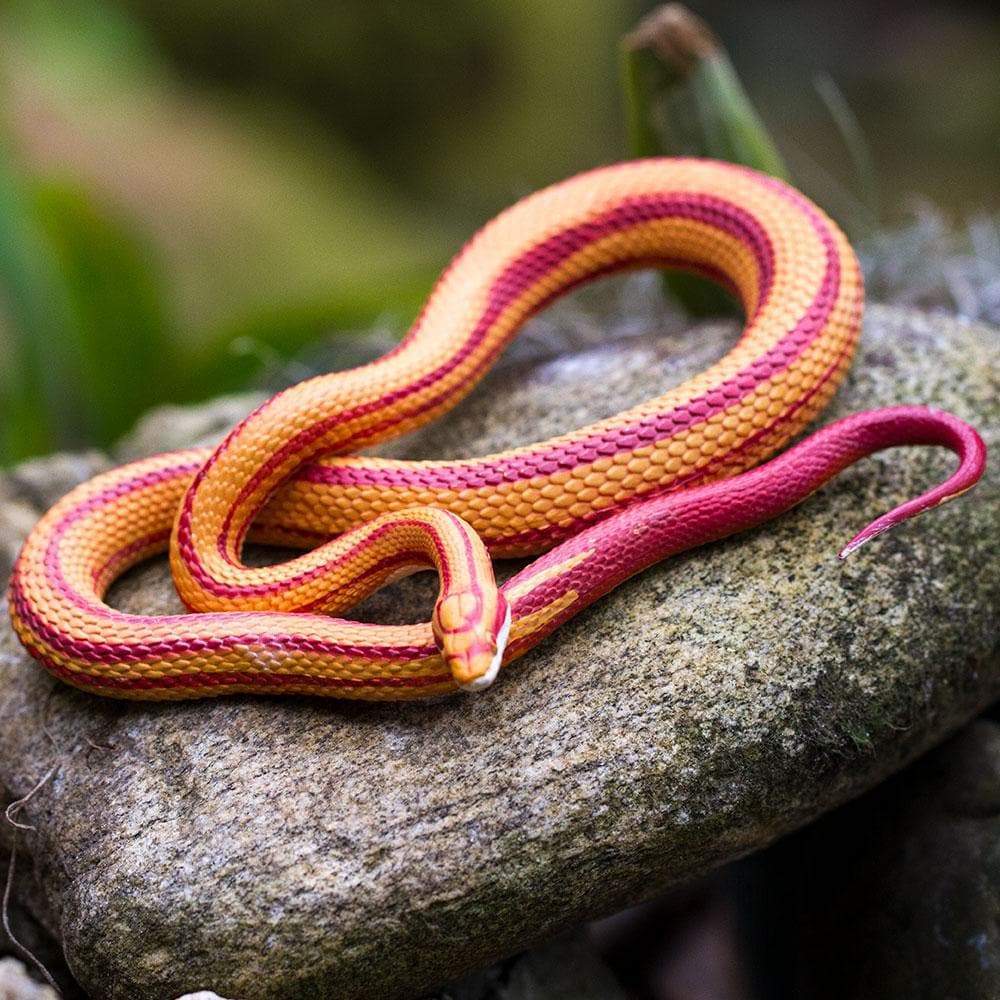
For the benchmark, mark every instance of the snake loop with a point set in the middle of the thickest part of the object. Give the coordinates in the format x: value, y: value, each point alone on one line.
x: 607, y: 500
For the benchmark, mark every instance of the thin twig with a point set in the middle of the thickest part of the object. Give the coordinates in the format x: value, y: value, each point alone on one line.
x: 18, y: 804
x: 94, y: 745
x: 853, y: 137
x: 9, y: 884
x: 856, y: 216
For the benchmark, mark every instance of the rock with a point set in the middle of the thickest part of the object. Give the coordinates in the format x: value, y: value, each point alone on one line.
x: 264, y: 848
x: 896, y: 895
x: 16, y: 984
x: 34, y: 486
x: 171, y: 427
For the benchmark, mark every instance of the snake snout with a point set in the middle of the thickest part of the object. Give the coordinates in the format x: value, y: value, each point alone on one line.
x: 472, y: 637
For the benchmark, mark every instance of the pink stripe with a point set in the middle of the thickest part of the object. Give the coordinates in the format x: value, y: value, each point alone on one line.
x: 705, y: 208
x: 137, y: 652
x: 318, y: 474
x: 526, y: 271
x: 53, y: 561
x: 475, y: 473
x: 155, y: 539
x: 613, y: 441
x: 512, y: 282
x: 390, y: 564
x: 126, y: 486
x: 134, y: 652
x: 256, y: 680
x: 556, y: 533
x: 553, y: 532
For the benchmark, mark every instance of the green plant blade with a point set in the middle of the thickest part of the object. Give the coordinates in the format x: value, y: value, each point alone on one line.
x: 683, y: 98
x: 855, y: 142
x: 731, y: 128
x: 35, y: 402
x: 122, y: 359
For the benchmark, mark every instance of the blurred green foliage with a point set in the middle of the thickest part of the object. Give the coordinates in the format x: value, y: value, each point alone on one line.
x: 35, y: 327
x: 153, y: 247
x: 464, y: 104
x: 191, y: 193
x: 120, y: 347
x: 84, y: 336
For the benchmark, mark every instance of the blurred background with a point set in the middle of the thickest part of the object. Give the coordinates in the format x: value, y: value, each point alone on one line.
x: 193, y: 193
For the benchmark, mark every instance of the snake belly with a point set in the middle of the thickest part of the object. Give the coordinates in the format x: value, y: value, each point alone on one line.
x: 289, y: 474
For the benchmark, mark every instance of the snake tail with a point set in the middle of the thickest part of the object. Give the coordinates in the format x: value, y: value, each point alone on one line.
x: 563, y: 581
x: 916, y: 425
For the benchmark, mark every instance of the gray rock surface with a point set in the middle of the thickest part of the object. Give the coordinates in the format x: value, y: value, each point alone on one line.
x: 265, y: 848
x: 169, y: 428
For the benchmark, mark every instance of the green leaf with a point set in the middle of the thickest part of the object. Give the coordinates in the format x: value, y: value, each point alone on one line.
x: 36, y: 404
x: 731, y: 128
x: 683, y: 98
x: 122, y: 358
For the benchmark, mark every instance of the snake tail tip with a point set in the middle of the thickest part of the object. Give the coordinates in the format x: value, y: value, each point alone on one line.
x: 904, y: 512
x: 872, y: 531
x: 921, y: 425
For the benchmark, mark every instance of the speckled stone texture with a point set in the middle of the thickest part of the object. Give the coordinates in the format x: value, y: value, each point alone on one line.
x: 268, y: 849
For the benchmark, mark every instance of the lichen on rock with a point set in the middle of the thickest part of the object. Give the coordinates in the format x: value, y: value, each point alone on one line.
x: 299, y: 848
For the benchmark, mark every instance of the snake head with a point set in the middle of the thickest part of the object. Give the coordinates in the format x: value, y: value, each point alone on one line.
x: 471, y: 630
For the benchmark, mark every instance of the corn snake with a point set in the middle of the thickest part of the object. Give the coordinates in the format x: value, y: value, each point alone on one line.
x: 602, y: 502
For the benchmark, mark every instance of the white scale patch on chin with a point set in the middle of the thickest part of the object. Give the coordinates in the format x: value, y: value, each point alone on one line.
x: 482, y: 683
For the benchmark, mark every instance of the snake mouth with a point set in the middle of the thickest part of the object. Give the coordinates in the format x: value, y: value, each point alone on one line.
x: 489, y: 675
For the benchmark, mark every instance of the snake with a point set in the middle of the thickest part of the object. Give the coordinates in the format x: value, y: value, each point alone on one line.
x: 592, y: 507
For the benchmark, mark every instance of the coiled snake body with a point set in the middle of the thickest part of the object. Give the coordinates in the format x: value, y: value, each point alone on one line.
x: 603, y: 502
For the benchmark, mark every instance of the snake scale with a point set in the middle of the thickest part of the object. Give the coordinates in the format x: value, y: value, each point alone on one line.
x: 601, y: 503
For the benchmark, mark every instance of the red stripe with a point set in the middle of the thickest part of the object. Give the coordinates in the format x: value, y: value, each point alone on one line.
x: 515, y: 279
x: 250, y: 679
x: 261, y: 639
x: 53, y: 561
x: 528, y: 463
x: 157, y: 540
x: 554, y: 533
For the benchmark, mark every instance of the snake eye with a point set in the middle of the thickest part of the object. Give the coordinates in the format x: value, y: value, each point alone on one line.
x: 470, y: 639
x: 489, y: 675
